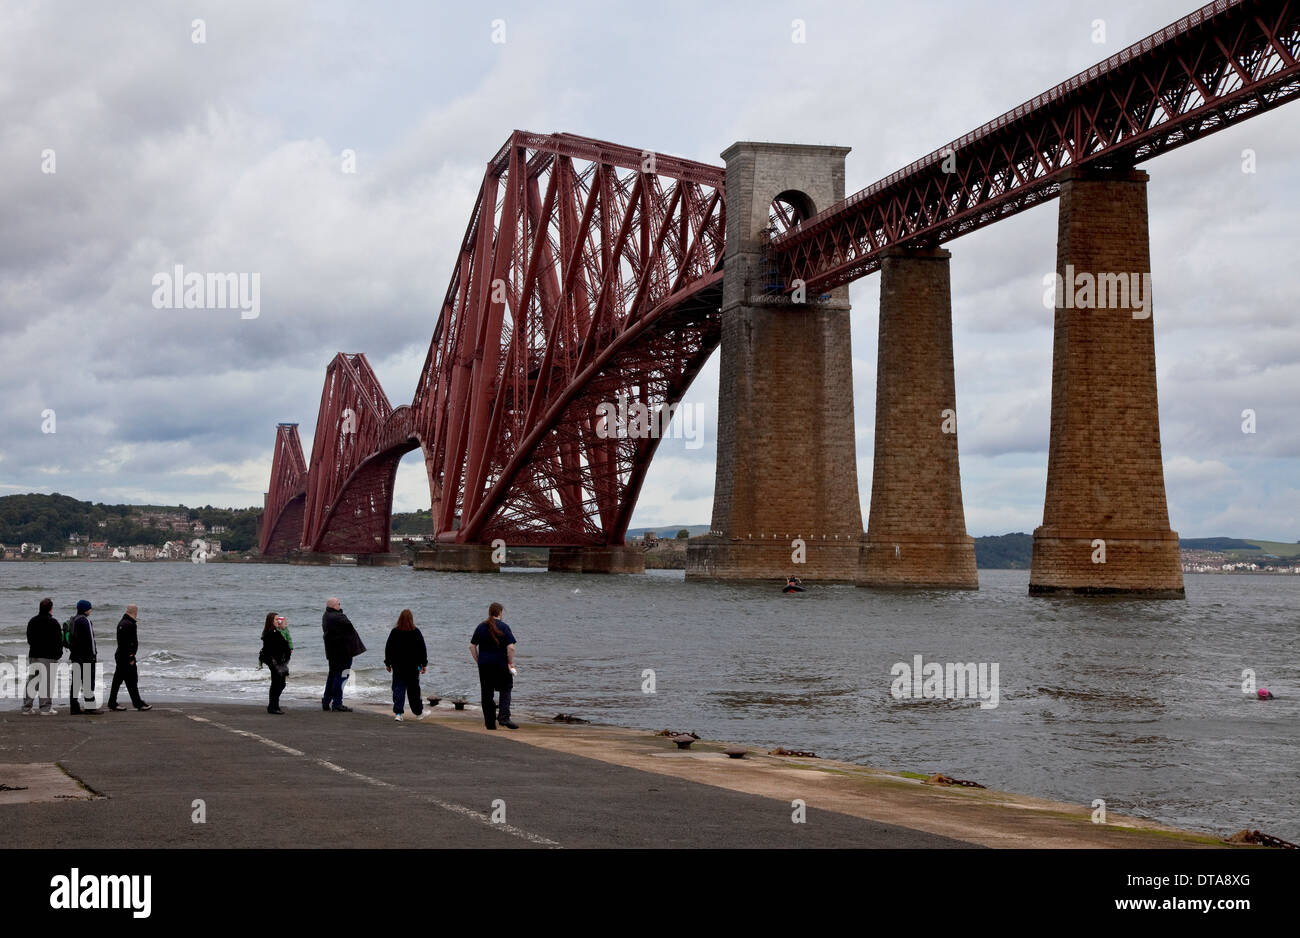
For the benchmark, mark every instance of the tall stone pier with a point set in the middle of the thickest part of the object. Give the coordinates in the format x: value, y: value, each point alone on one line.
x: 786, y: 494
x: 916, y: 535
x: 1105, y: 521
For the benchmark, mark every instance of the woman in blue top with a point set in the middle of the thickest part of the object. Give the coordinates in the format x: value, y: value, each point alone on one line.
x: 493, y: 648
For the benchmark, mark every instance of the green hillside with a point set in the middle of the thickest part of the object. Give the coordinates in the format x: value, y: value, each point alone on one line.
x: 47, y: 520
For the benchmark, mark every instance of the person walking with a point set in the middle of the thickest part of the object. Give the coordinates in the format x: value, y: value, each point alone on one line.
x: 44, y: 651
x: 84, y: 655
x: 277, y: 649
x: 406, y: 658
x: 342, y: 644
x: 493, y: 649
x: 124, y: 666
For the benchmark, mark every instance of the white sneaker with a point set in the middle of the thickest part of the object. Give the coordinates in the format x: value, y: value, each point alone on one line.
x: 397, y: 718
x: 420, y: 715
x: 50, y: 713
x: 28, y: 712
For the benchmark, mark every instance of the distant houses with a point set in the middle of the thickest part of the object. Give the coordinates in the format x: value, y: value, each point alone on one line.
x: 78, y: 547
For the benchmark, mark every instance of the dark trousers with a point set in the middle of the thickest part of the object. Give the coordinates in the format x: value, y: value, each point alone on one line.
x: 279, y: 677
x: 495, y: 677
x: 130, y: 675
x: 334, y: 683
x: 406, y: 686
x: 83, y: 685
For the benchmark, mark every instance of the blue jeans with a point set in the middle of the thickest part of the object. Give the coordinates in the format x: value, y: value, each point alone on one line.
x: 406, y: 684
x: 334, y: 683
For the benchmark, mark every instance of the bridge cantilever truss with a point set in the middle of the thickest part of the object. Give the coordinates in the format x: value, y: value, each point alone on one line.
x: 590, y: 270
x: 1216, y: 67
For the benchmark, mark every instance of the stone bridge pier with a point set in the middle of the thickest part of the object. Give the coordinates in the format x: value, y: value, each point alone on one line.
x: 916, y: 535
x: 1105, y: 520
x: 786, y: 493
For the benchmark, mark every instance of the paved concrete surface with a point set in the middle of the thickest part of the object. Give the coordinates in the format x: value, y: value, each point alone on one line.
x: 26, y: 782
x: 314, y: 779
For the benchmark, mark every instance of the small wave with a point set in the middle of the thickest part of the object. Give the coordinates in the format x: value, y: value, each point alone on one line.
x: 162, y: 656
x: 223, y: 675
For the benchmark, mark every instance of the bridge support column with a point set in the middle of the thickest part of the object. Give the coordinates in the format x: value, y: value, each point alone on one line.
x: 1105, y: 521
x: 916, y: 535
x: 456, y: 558
x: 786, y: 494
x: 310, y: 558
x: 379, y: 560
x: 604, y: 559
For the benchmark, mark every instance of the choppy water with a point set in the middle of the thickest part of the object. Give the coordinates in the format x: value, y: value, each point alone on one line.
x: 1139, y: 703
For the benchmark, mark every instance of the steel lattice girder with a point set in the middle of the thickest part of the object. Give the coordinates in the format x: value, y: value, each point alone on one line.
x: 590, y: 270
x: 282, y: 507
x: 574, y: 245
x: 1218, y: 66
x: 360, y: 517
x: 353, y: 411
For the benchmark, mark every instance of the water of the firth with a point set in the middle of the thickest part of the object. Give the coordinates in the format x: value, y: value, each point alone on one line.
x: 1138, y: 703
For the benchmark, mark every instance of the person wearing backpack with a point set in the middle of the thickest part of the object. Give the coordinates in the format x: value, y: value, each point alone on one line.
x: 44, y: 650
x: 83, y: 654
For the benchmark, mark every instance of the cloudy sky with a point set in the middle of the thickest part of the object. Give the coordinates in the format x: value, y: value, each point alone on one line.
x: 226, y: 155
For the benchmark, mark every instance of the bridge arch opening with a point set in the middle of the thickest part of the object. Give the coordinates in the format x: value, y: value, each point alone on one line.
x: 788, y: 210
x: 412, y: 512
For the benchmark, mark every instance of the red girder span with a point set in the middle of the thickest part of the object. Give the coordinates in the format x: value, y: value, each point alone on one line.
x: 590, y: 269
x: 349, y: 425
x: 1220, y: 65
x: 574, y: 244
x: 282, y: 507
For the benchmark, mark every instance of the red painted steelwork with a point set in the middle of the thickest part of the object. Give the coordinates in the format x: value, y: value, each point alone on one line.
x: 1216, y: 67
x: 575, y: 248
x: 591, y: 270
x: 588, y: 270
x: 282, y: 508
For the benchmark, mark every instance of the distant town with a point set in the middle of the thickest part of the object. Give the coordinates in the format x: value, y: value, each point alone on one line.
x: 56, y: 527
x: 185, y: 540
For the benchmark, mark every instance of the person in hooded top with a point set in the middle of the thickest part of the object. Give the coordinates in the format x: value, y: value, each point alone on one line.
x: 84, y: 655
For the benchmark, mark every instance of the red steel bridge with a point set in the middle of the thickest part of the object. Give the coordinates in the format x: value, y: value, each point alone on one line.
x: 590, y: 270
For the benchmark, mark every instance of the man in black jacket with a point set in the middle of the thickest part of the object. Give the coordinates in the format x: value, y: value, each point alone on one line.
x: 83, y: 654
x: 44, y: 649
x: 341, y: 643
x: 124, y: 667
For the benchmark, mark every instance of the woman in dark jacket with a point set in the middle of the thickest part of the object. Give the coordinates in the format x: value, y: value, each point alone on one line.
x: 275, y: 654
x: 406, y: 659
x: 493, y: 648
